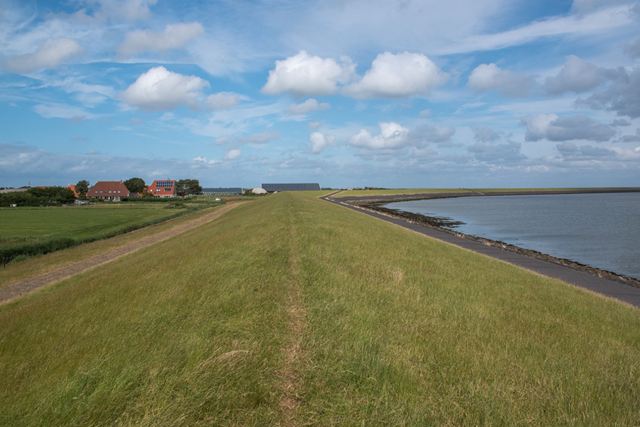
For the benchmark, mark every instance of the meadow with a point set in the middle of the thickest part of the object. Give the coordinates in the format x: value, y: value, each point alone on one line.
x: 29, y: 232
x: 77, y: 222
x: 293, y: 311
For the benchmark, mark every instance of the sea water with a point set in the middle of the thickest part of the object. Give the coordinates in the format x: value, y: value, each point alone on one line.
x: 600, y: 230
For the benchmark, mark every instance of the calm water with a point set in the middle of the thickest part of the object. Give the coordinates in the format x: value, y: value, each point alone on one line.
x: 600, y: 230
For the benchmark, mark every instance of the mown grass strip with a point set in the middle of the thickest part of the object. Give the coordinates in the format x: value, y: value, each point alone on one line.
x: 398, y: 329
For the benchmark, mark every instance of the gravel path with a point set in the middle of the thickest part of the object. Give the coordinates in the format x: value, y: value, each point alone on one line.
x: 25, y: 286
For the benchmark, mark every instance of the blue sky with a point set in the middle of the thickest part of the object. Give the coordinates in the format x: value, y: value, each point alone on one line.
x: 385, y: 93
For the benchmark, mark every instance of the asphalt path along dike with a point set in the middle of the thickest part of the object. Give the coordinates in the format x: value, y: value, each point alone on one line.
x: 602, y: 285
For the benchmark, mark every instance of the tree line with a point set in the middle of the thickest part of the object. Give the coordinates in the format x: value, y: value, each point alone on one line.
x: 57, y: 196
x: 184, y: 187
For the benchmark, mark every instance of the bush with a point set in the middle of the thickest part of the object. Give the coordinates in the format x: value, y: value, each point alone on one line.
x: 29, y: 249
x: 49, y: 196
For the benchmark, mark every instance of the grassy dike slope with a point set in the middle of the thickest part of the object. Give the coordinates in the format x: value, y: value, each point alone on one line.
x: 290, y: 310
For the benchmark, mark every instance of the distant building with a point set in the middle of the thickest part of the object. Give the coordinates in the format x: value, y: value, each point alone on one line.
x: 108, y: 190
x: 72, y: 187
x: 291, y: 187
x: 164, y: 188
x: 222, y: 192
x: 12, y: 190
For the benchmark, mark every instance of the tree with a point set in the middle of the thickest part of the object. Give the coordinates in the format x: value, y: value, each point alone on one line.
x: 51, y: 196
x: 188, y: 186
x: 82, y: 187
x: 135, y: 185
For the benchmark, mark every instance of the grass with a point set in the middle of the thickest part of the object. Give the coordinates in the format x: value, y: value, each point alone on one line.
x: 396, y: 329
x: 75, y: 222
x: 15, y: 272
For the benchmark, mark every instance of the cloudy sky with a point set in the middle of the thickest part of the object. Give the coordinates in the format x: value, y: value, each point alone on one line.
x: 386, y: 93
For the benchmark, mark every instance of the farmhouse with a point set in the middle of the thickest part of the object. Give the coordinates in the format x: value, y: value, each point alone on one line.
x: 108, y: 190
x: 163, y: 188
x: 291, y: 187
x: 222, y: 192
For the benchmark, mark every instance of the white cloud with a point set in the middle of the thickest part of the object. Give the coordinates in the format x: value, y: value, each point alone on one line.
x: 491, y: 77
x: 583, y: 152
x: 597, y: 22
x: 50, y: 55
x: 538, y: 125
x: 575, y: 76
x: 223, y: 100
x: 232, y: 154
x: 631, y: 138
x: 160, y: 89
x: 392, y: 136
x: 60, y: 111
x: 259, y: 138
x: 174, y: 36
x: 622, y: 95
x: 398, y: 76
x: 554, y: 128
x: 582, y: 6
x: 633, y: 49
x: 124, y: 9
x: 305, y: 75
x: 89, y: 95
x: 307, y: 106
x: 625, y: 154
x: 485, y: 134
x: 438, y: 134
x: 314, y: 125
x: 425, y: 113
x: 497, y: 153
x: 241, y: 119
x: 319, y: 141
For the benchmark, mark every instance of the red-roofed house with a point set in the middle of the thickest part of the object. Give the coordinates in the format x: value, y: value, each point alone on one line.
x: 72, y: 187
x: 163, y: 188
x: 109, y: 190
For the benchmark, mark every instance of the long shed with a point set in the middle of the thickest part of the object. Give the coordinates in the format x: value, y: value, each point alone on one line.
x: 291, y: 187
x: 221, y: 191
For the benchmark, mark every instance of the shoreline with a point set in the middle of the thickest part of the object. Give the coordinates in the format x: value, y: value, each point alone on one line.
x: 373, y: 203
x: 392, y: 198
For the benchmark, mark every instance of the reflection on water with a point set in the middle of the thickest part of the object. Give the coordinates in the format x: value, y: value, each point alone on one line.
x: 600, y: 230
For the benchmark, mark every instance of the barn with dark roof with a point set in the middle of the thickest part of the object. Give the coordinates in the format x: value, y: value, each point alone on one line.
x: 291, y: 187
x: 222, y: 191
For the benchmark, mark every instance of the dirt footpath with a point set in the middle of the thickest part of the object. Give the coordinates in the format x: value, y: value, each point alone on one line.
x: 25, y: 286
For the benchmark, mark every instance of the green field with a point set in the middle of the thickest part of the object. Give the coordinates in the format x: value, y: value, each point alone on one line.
x: 75, y: 222
x: 293, y: 311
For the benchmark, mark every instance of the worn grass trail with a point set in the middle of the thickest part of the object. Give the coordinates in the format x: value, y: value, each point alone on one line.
x: 293, y: 311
